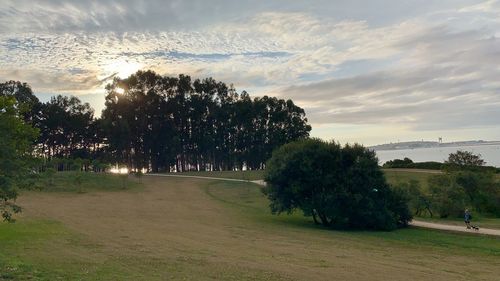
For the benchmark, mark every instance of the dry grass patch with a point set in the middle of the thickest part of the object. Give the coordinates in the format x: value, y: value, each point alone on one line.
x: 193, y: 229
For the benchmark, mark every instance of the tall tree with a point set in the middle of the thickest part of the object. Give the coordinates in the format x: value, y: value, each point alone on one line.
x: 66, y: 126
x: 28, y: 103
x: 15, y: 147
x: 153, y: 121
x: 465, y: 158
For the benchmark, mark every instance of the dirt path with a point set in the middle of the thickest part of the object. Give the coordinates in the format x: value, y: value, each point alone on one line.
x: 448, y: 227
x: 415, y: 223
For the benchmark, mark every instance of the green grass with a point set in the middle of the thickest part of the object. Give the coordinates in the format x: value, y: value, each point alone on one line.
x: 21, y: 246
x: 229, y: 235
x: 243, y: 175
x: 46, y: 250
x: 247, y: 200
x: 85, y: 182
x: 395, y: 177
x: 392, y: 176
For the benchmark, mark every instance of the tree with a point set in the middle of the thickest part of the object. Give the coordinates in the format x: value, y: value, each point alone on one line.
x: 482, y: 190
x: 50, y: 173
x: 465, y: 159
x: 447, y: 197
x: 174, y: 123
x: 398, y: 163
x: 419, y: 201
x: 337, y: 186
x: 66, y: 126
x: 28, y: 104
x: 15, y: 147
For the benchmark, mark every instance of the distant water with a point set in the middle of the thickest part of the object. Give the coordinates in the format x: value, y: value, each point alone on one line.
x: 490, y: 154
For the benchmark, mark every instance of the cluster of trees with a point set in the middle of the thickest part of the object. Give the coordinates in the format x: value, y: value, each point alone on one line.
x: 160, y: 123
x: 66, y: 127
x: 457, y: 161
x: 407, y: 163
x: 464, y: 183
x: 166, y: 123
x: 150, y: 122
x: 337, y: 186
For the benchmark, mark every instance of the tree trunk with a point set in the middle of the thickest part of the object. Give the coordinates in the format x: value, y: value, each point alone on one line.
x: 314, y: 216
x: 324, y: 219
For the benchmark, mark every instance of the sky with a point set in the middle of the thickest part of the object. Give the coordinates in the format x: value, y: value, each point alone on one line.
x: 364, y: 71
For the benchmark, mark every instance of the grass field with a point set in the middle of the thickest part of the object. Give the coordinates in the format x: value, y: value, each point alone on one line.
x: 241, y: 175
x: 85, y: 182
x: 193, y: 229
x: 395, y: 177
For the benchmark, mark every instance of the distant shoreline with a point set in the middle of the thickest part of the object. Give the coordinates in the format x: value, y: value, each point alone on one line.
x: 427, y: 144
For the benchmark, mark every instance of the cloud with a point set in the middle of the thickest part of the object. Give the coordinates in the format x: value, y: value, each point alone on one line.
x: 446, y: 80
x: 55, y: 82
x: 349, y: 62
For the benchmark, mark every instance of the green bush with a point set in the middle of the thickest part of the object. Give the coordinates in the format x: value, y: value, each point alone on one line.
x: 418, y: 201
x: 449, y: 199
x: 337, y: 186
x: 409, y: 164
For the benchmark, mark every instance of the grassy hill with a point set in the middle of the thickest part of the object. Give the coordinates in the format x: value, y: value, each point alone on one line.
x: 196, y: 229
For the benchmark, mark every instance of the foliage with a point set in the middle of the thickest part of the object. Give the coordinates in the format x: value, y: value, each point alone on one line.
x: 162, y: 124
x: 457, y: 161
x: 174, y: 123
x: 397, y: 163
x: 448, y: 194
x: 15, y: 146
x: 50, y: 172
x: 465, y: 159
x: 407, y: 163
x: 78, y: 180
x: 28, y: 105
x: 419, y: 201
x: 67, y: 128
x: 482, y: 190
x: 337, y: 186
x: 448, y: 198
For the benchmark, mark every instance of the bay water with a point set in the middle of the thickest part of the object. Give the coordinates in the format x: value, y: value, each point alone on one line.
x: 490, y: 153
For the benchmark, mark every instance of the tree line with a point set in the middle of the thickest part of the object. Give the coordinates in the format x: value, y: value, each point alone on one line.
x: 464, y: 183
x: 161, y: 123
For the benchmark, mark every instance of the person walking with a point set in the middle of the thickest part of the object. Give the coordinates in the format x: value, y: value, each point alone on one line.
x: 467, y: 218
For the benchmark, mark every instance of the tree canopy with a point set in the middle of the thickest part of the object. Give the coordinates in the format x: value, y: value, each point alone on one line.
x: 337, y: 186
x: 15, y: 146
x: 174, y: 123
x: 465, y: 158
x: 162, y: 123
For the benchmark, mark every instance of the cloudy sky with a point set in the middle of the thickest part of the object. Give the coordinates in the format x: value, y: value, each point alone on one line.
x: 365, y: 71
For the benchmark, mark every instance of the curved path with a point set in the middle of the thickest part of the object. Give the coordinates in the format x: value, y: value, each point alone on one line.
x: 449, y: 227
x: 416, y: 223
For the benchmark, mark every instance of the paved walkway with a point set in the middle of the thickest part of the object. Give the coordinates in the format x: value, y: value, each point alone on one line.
x: 415, y: 223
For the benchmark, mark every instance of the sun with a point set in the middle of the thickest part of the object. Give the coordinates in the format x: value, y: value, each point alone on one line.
x: 123, y: 68
x: 120, y: 91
